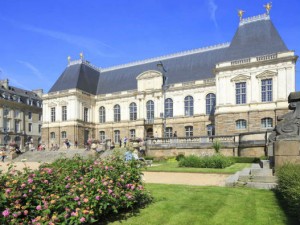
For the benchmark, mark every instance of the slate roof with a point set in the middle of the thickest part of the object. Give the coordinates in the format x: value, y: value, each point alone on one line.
x: 254, y: 38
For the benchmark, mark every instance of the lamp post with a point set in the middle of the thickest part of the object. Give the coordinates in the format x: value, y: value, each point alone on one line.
x: 164, y: 87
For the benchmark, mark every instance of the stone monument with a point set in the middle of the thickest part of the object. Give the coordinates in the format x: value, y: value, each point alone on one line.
x: 286, y: 135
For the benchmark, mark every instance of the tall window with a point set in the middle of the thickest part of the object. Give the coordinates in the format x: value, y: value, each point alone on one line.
x: 189, y: 131
x: 6, y: 112
x: 102, y: 135
x: 150, y: 110
x: 17, y: 113
x: 132, y: 133
x: 210, y: 103
x: 169, y: 107
x: 240, y: 93
x: 17, y: 126
x: 117, y: 113
x: 132, y: 111
x: 53, y: 114
x: 63, y: 134
x: 169, y: 132
x: 40, y: 116
x: 266, y: 90
x: 241, y: 124
x: 210, y: 129
x: 64, y: 113
x: 102, y: 114
x: 29, y: 127
x: 117, y: 136
x: 267, y: 122
x: 6, y: 124
x: 29, y: 115
x: 40, y: 128
x: 188, y: 106
x: 85, y: 114
x: 52, y: 135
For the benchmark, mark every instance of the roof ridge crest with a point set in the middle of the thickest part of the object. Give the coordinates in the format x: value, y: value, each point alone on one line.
x: 254, y: 19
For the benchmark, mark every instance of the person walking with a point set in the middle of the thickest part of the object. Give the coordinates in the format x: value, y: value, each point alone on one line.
x: 3, y: 154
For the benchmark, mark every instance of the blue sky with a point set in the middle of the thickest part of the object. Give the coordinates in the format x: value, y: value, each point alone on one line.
x: 37, y: 36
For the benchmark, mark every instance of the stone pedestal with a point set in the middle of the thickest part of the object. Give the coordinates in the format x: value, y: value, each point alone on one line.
x: 286, y: 151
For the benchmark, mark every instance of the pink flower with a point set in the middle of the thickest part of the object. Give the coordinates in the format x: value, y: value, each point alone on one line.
x: 92, y: 180
x: 67, y: 186
x: 5, y: 213
x: 24, y: 195
x: 39, y: 207
x: 23, y: 185
x: 110, y: 191
x: 8, y: 190
x: 25, y: 212
x: 46, y: 182
x: 82, y: 219
x: 15, y: 215
x: 30, y: 181
x: 76, y: 198
x: 79, y: 203
x: 85, y: 200
x: 98, y: 197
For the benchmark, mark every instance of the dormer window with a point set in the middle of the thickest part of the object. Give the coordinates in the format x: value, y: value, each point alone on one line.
x: 5, y: 95
x: 29, y: 101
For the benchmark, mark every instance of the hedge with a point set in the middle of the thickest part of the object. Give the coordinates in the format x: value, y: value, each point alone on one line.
x: 215, y: 161
x: 289, y: 188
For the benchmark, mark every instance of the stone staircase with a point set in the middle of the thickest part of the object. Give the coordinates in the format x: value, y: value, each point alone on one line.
x: 258, y: 176
x: 50, y: 156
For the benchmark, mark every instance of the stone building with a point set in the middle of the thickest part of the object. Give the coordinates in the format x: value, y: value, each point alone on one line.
x: 229, y: 88
x: 20, y: 115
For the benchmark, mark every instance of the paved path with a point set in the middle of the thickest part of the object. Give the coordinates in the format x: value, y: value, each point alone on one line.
x: 199, y: 179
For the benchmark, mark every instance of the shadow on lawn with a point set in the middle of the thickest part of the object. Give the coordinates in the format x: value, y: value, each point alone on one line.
x: 291, y: 219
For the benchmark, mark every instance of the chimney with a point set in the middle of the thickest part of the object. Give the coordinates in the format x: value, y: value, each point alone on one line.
x: 39, y: 92
x: 4, y: 83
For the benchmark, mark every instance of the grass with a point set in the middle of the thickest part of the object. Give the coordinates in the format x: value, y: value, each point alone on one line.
x: 192, y: 205
x: 172, y: 166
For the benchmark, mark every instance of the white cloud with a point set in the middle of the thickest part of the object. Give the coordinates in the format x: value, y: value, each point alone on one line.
x: 212, y: 10
x: 89, y: 44
x: 33, y: 69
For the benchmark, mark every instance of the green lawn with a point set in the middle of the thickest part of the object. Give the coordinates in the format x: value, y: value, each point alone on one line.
x: 172, y: 166
x: 192, y: 205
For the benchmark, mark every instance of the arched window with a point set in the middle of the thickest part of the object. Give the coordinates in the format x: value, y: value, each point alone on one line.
x: 241, y: 124
x: 188, y: 106
x: 210, y: 104
x: 168, y: 107
x: 117, y: 113
x: 102, y: 135
x: 132, y: 111
x: 150, y: 110
x: 52, y: 135
x: 63, y: 134
x: 102, y: 114
x: 267, y: 122
x: 189, y: 131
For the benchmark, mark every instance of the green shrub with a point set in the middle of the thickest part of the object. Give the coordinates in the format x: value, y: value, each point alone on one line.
x: 289, y: 187
x: 179, y: 157
x: 71, y: 191
x: 239, y: 159
x: 216, y: 146
x: 215, y: 161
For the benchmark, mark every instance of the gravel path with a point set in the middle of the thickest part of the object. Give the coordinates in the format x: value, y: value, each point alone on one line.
x: 199, y: 179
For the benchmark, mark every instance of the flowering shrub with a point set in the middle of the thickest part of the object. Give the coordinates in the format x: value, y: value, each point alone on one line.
x: 71, y: 191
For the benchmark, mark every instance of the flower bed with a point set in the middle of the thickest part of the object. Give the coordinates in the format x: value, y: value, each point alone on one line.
x: 71, y: 191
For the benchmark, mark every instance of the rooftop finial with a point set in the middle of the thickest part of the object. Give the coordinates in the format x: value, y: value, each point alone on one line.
x: 81, y: 55
x: 241, y: 13
x: 268, y: 7
x: 69, y: 59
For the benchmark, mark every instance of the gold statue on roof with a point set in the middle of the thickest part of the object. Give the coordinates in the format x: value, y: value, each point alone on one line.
x: 69, y: 59
x: 241, y: 13
x: 81, y: 55
x: 268, y: 7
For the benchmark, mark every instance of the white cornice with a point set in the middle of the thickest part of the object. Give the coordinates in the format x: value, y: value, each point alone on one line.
x: 87, y: 63
x: 254, y: 19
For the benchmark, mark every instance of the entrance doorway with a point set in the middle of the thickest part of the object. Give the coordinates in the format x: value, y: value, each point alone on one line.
x: 86, y: 136
x: 149, y: 133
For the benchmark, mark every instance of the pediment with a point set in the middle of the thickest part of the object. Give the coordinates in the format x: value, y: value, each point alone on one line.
x: 266, y: 74
x: 52, y: 104
x: 149, y: 75
x: 63, y: 103
x: 239, y: 78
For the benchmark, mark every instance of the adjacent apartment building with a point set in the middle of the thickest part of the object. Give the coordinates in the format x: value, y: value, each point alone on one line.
x: 228, y: 88
x: 20, y: 115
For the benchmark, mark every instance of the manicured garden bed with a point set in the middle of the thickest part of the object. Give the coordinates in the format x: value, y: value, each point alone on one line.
x: 172, y: 166
x: 192, y: 205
